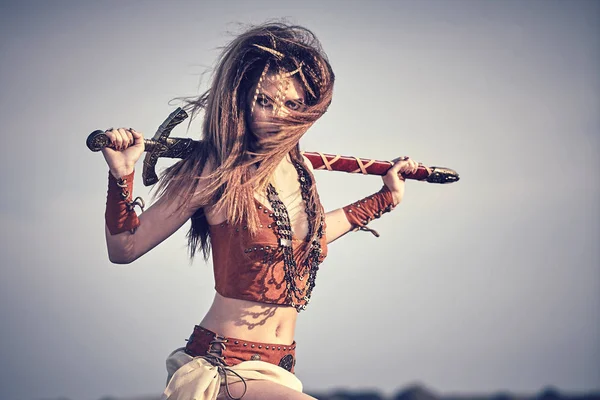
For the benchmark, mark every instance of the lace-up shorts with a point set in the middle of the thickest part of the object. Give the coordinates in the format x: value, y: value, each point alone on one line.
x: 232, y: 351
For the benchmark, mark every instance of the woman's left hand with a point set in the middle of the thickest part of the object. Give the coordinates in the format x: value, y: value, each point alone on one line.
x: 394, y: 181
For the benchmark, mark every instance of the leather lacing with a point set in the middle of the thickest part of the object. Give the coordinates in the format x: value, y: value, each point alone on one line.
x: 215, y: 356
x: 362, y: 167
x: 130, y: 205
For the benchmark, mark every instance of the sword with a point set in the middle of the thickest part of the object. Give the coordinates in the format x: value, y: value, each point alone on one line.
x: 161, y: 145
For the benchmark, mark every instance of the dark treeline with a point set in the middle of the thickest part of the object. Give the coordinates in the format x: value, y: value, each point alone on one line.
x: 421, y: 393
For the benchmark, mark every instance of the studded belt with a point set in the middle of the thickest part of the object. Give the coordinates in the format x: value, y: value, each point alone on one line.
x: 232, y: 351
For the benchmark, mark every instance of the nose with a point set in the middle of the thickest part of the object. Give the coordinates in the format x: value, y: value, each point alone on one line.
x: 282, y: 111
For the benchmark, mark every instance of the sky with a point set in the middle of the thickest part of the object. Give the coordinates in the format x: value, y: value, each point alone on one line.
x: 488, y: 284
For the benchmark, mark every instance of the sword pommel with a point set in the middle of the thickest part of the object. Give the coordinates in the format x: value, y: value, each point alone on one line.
x: 442, y: 175
x: 97, y: 140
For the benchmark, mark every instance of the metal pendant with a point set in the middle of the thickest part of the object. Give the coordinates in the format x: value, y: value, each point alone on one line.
x: 287, y: 362
x: 285, y: 242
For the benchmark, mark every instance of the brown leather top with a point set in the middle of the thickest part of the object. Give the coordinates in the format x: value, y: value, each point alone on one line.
x: 251, y: 268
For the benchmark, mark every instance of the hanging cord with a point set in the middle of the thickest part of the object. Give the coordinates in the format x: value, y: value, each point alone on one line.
x: 215, y: 357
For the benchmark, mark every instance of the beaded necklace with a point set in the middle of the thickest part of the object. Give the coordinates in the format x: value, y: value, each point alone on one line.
x: 284, y: 232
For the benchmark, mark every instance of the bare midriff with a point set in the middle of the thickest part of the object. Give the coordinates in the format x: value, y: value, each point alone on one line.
x: 248, y: 320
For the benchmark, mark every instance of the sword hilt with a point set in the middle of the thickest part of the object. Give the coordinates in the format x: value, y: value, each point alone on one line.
x: 98, y: 140
x: 168, y: 148
x: 159, y: 146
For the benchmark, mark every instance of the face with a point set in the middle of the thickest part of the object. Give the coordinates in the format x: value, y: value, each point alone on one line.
x: 264, y: 110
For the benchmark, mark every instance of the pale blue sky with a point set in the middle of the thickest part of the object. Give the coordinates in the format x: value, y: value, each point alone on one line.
x: 492, y: 283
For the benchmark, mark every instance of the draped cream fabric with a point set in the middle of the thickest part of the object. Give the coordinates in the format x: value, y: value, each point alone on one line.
x: 192, y: 378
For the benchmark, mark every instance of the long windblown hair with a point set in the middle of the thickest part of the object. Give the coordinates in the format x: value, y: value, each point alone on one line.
x: 240, y: 164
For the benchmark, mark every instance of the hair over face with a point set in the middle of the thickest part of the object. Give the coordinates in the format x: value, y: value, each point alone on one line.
x: 240, y: 163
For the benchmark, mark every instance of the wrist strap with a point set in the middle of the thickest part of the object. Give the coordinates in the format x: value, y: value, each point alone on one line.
x: 120, y: 215
x: 360, y: 213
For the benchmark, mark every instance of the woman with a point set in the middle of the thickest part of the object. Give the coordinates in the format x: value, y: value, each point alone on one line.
x: 251, y: 197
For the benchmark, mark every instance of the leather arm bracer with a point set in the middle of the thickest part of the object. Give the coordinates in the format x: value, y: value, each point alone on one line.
x: 120, y: 215
x: 360, y: 213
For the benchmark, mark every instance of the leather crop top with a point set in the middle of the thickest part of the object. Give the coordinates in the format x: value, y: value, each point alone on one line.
x: 252, y: 268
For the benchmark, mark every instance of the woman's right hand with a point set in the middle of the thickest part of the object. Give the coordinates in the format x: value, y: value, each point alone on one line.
x: 128, y: 147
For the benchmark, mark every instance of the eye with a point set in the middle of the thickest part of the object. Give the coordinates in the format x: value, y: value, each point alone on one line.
x: 294, y: 105
x: 263, y: 101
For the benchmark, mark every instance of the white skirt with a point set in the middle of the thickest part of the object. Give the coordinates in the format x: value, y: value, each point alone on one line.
x: 195, y: 378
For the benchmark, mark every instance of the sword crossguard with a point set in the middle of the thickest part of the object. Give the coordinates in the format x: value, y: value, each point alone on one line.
x: 161, y: 147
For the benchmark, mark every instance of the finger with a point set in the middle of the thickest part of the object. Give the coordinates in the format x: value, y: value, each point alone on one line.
x: 110, y: 134
x: 124, y: 138
x: 129, y: 137
x: 407, y: 167
x: 395, y: 169
x: 117, y: 141
x: 411, y: 166
x: 400, y: 164
x: 403, y: 158
x: 416, y: 167
x: 139, y: 138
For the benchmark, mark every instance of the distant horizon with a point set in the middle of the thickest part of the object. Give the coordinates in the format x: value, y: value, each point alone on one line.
x: 407, y: 389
